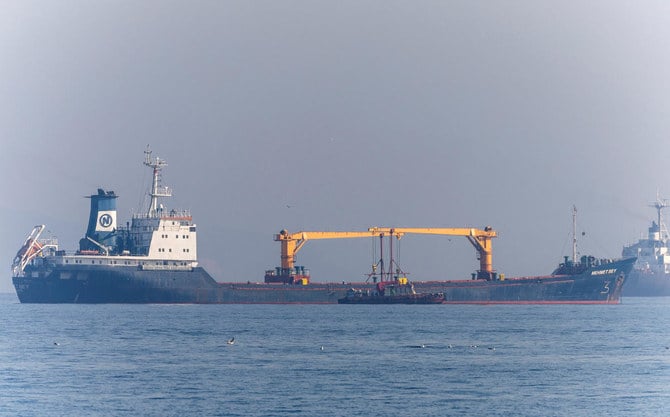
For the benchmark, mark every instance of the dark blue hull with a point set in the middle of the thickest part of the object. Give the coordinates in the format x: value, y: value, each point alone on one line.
x: 102, y: 284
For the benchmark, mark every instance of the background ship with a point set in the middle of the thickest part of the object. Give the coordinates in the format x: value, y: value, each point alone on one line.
x: 153, y: 259
x: 651, y: 273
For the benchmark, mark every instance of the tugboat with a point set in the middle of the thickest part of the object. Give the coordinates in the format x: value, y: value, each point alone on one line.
x: 399, y: 292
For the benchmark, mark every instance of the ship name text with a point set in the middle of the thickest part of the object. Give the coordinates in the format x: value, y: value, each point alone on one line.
x: 604, y: 272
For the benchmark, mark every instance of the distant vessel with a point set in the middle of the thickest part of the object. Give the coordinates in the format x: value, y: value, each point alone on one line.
x: 651, y: 273
x: 153, y: 259
x: 400, y: 292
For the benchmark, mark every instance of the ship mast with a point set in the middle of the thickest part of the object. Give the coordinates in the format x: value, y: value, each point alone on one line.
x: 157, y: 191
x: 574, y: 234
x: 659, y: 205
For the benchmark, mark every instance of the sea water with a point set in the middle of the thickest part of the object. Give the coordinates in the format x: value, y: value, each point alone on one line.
x: 335, y: 360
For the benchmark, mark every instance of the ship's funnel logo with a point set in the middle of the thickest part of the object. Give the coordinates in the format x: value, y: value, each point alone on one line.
x: 106, y: 221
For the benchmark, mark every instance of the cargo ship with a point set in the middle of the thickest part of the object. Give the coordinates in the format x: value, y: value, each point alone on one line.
x: 153, y: 259
x: 650, y: 276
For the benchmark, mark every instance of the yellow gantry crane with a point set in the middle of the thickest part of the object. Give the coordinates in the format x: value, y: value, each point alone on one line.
x: 291, y: 243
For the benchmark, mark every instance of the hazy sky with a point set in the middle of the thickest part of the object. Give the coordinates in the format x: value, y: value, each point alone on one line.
x: 340, y: 115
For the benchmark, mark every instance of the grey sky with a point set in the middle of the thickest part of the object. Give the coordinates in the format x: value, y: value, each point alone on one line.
x: 353, y: 113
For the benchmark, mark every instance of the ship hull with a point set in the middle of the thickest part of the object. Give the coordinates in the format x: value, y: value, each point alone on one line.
x: 394, y: 299
x: 103, y: 284
x: 647, y: 284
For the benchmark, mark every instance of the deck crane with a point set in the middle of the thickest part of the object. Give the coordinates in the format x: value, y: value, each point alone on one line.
x: 291, y: 243
x: 480, y: 239
x: 32, y: 248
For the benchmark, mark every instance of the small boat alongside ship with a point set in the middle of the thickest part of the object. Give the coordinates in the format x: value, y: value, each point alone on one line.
x: 399, y: 292
x: 153, y: 259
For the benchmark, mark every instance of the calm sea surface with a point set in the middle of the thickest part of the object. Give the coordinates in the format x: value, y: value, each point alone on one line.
x: 173, y: 360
